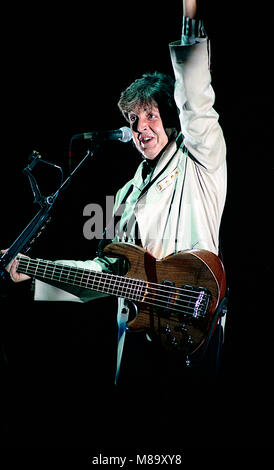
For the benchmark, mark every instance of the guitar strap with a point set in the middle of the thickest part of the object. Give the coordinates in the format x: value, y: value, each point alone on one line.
x: 123, y: 309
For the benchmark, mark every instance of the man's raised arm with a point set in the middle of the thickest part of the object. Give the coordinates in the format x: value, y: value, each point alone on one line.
x: 194, y: 94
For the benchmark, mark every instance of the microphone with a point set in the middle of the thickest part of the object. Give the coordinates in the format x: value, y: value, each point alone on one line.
x: 123, y: 134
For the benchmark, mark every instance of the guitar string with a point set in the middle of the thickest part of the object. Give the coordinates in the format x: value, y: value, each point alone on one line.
x: 113, y: 277
x: 132, y: 295
x: 172, y: 311
x: 34, y: 265
x: 145, y: 287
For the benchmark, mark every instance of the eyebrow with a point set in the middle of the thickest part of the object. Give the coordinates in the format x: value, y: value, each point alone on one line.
x: 151, y: 109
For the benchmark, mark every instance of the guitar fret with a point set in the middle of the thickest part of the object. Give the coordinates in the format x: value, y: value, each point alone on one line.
x: 113, y: 285
x: 28, y: 265
x: 135, y: 286
x: 139, y: 289
x: 60, y: 274
x: 107, y: 288
x: 99, y: 283
x: 91, y: 283
x: 68, y: 274
x: 120, y: 286
x: 123, y: 289
x: 131, y: 289
x: 52, y: 270
x: 104, y: 288
x: 35, y: 271
x: 80, y: 274
x: 83, y: 279
x: 45, y: 268
x: 74, y: 281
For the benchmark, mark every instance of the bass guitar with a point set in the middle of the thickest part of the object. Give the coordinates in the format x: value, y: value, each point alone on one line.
x: 175, y: 298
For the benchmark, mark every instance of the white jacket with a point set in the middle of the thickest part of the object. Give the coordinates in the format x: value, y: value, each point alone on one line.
x: 183, y: 206
x: 182, y: 209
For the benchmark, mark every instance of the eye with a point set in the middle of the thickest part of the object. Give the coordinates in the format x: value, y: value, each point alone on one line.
x: 132, y: 117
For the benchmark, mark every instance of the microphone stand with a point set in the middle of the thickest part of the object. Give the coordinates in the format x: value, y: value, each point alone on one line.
x: 33, y: 230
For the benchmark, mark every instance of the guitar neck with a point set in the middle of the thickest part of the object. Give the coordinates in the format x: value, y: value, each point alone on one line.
x: 118, y: 286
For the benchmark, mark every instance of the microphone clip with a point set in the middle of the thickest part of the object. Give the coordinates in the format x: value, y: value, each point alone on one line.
x: 35, y: 158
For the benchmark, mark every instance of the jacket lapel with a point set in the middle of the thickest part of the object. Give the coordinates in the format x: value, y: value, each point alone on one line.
x: 161, y: 168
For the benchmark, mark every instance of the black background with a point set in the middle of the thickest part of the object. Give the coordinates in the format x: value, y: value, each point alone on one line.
x: 62, y: 74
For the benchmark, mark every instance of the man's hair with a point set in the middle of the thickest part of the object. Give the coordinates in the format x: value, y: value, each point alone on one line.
x: 151, y: 89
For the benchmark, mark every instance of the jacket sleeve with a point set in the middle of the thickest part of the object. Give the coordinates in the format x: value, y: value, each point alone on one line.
x: 194, y: 97
x: 57, y: 291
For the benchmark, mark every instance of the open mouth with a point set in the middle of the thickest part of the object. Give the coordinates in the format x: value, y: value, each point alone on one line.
x: 145, y: 139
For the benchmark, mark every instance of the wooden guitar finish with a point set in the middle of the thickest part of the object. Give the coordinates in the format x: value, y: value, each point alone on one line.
x: 193, y: 268
x: 176, y: 297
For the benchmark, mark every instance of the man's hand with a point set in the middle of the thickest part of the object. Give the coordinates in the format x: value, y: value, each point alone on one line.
x: 11, y: 268
x: 190, y: 8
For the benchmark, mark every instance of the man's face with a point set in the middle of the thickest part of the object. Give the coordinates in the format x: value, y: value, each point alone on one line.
x: 148, y: 131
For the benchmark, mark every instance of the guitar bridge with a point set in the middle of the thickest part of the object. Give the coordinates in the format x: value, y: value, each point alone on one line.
x: 197, y: 302
x: 202, y: 303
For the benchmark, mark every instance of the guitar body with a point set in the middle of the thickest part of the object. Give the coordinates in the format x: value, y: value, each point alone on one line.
x: 187, y: 286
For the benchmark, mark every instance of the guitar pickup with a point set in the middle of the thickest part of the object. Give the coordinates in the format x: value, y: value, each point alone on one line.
x: 168, y: 298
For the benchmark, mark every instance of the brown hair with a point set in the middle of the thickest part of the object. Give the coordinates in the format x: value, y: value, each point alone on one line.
x: 152, y: 88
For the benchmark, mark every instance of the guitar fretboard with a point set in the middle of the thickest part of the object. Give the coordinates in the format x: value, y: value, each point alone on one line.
x: 120, y: 286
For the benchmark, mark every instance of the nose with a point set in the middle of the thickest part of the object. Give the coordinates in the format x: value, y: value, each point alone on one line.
x: 142, y: 124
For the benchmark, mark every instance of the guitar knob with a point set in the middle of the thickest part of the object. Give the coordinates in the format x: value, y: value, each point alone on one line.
x: 166, y: 329
x: 174, y: 341
x: 171, y: 341
x: 182, y: 328
x: 190, y: 340
x: 188, y: 361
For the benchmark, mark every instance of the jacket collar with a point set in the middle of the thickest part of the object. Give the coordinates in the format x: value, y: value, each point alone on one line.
x: 167, y: 155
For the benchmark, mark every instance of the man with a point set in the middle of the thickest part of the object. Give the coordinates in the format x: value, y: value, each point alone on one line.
x: 176, y: 198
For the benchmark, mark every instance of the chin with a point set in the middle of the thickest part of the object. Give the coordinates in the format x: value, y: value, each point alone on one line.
x: 150, y: 157
x: 150, y: 154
